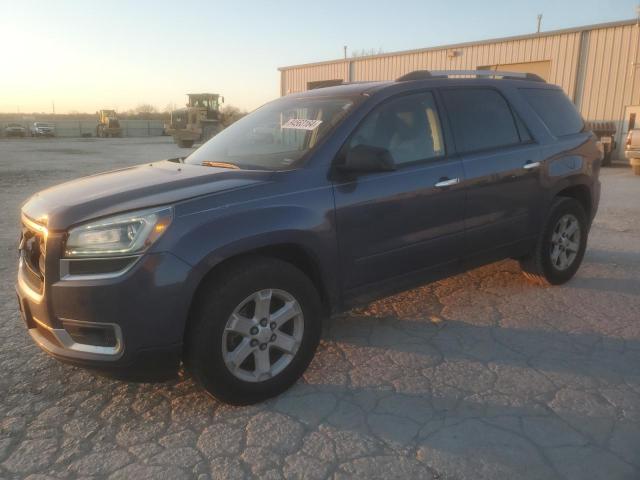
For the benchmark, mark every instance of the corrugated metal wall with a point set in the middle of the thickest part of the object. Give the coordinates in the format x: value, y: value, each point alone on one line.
x: 608, y: 52
x: 562, y: 50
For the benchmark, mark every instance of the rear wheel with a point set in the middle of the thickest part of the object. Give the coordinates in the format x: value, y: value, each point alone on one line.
x: 559, y: 250
x: 254, y: 330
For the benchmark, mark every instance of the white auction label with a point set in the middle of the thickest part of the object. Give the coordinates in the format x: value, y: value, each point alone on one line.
x: 302, y: 124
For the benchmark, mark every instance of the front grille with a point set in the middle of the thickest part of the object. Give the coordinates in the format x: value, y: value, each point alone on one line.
x: 86, y: 333
x: 32, y: 252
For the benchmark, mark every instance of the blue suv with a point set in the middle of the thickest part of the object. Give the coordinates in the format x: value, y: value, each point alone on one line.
x: 227, y: 260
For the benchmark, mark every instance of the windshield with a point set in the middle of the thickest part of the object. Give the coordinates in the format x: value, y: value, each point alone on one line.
x: 276, y: 136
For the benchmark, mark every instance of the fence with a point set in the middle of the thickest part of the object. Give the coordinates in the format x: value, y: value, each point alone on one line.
x: 79, y: 128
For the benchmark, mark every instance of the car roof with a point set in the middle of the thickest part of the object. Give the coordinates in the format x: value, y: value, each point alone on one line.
x: 362, y: 88
x: 346, y: 89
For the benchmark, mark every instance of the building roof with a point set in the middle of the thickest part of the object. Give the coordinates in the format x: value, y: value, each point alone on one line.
x: 596, y: 26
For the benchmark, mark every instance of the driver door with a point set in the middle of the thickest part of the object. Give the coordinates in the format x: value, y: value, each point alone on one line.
x: 404, y: 226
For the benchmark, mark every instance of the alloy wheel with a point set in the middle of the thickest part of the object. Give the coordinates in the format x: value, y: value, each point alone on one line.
x: 262, y: 335
x: 565, y: 242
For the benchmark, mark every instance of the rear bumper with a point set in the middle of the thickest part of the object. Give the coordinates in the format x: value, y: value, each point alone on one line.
x: 632, y: 154
x: 141, y: 312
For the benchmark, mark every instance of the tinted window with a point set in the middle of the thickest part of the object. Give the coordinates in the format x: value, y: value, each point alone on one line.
x: 408, y: 127
x: 480, y: 118
x: 555, y: 109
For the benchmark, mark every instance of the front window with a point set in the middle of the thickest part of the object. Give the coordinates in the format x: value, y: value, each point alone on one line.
x: 276, y: 136
x: 408, y: 127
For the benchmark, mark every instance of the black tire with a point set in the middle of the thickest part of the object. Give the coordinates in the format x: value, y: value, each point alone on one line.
x: 185, y: 143
x: 218, y: 299
x: 537, y: 266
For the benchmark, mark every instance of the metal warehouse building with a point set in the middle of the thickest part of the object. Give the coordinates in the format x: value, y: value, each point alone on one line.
x: 596, y: 65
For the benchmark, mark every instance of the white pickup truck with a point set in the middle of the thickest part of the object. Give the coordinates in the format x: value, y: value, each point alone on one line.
x: 632, y: 149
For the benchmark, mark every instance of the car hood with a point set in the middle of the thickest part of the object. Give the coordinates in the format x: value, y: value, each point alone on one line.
x: 142, y: 186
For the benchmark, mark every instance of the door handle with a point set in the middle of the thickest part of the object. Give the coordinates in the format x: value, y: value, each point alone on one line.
x: 447, y: 182
x: 529, y: 165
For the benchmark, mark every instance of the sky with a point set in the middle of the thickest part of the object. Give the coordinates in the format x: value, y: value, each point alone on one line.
x: 88, y: 55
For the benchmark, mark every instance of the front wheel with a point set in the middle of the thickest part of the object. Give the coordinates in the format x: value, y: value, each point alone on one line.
x: 558, y: 252
x: 254, y: 330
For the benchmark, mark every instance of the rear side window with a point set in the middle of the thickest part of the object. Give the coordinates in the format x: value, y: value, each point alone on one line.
x: 481, y: 119
x: 555, y: 109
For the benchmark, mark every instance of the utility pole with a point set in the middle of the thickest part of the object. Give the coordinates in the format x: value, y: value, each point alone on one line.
x: 53, y: 106
x: 345, y: 52
x: 539, y: 22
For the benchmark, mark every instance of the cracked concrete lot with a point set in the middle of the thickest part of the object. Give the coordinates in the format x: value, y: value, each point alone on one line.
x: 481, y: 376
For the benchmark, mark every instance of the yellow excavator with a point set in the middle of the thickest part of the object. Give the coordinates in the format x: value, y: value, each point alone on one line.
x: 108, y: 124
x: 198, y: 122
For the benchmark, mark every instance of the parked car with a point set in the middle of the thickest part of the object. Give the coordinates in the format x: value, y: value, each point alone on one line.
x: 228, y: 260
x: 15, y: 130
x: 606, y: 133
x: 632, y: 149
x: 43, y: 129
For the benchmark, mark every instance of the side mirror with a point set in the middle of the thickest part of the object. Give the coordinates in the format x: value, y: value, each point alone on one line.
x: 367, y: 158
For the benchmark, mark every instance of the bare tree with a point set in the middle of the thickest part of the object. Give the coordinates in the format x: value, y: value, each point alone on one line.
x: 366, y: 52
x: 230, y: 114
x: 145, y: 109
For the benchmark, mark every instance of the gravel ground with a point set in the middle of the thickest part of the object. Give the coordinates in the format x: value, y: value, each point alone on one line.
x: 481, y: 376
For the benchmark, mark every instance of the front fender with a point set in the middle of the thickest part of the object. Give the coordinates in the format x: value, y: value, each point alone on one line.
x: 206, y: 237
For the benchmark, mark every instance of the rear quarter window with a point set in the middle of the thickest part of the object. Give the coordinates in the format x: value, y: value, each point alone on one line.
x: 555, y: 109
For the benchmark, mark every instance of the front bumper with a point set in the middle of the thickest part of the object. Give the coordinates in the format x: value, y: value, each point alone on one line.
x: 143, y: 311
x: 185, y: 134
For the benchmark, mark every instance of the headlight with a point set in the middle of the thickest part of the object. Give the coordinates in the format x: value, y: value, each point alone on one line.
x: 125, y: 234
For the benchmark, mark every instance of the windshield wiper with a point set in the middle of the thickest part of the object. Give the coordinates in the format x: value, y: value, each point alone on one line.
x: 220, y: 165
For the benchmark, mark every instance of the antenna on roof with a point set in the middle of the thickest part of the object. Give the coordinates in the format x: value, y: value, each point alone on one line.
x: 539, y: 22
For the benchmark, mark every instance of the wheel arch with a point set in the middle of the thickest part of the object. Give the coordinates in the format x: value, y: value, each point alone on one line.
x: 293, y: 253
x: 581, y: 193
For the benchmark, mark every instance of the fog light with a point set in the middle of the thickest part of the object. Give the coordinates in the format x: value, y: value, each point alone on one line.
x: 91, y: 334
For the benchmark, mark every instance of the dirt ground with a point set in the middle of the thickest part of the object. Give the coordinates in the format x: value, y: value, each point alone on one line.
x: 480, y: 376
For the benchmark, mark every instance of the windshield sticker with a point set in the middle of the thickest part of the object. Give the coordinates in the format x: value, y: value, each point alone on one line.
x: 302, y: 124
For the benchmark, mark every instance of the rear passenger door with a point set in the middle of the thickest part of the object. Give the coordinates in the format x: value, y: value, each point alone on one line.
x: 502, y: 170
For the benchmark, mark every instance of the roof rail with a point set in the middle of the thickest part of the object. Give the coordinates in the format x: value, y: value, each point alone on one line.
x: 425, y: 74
